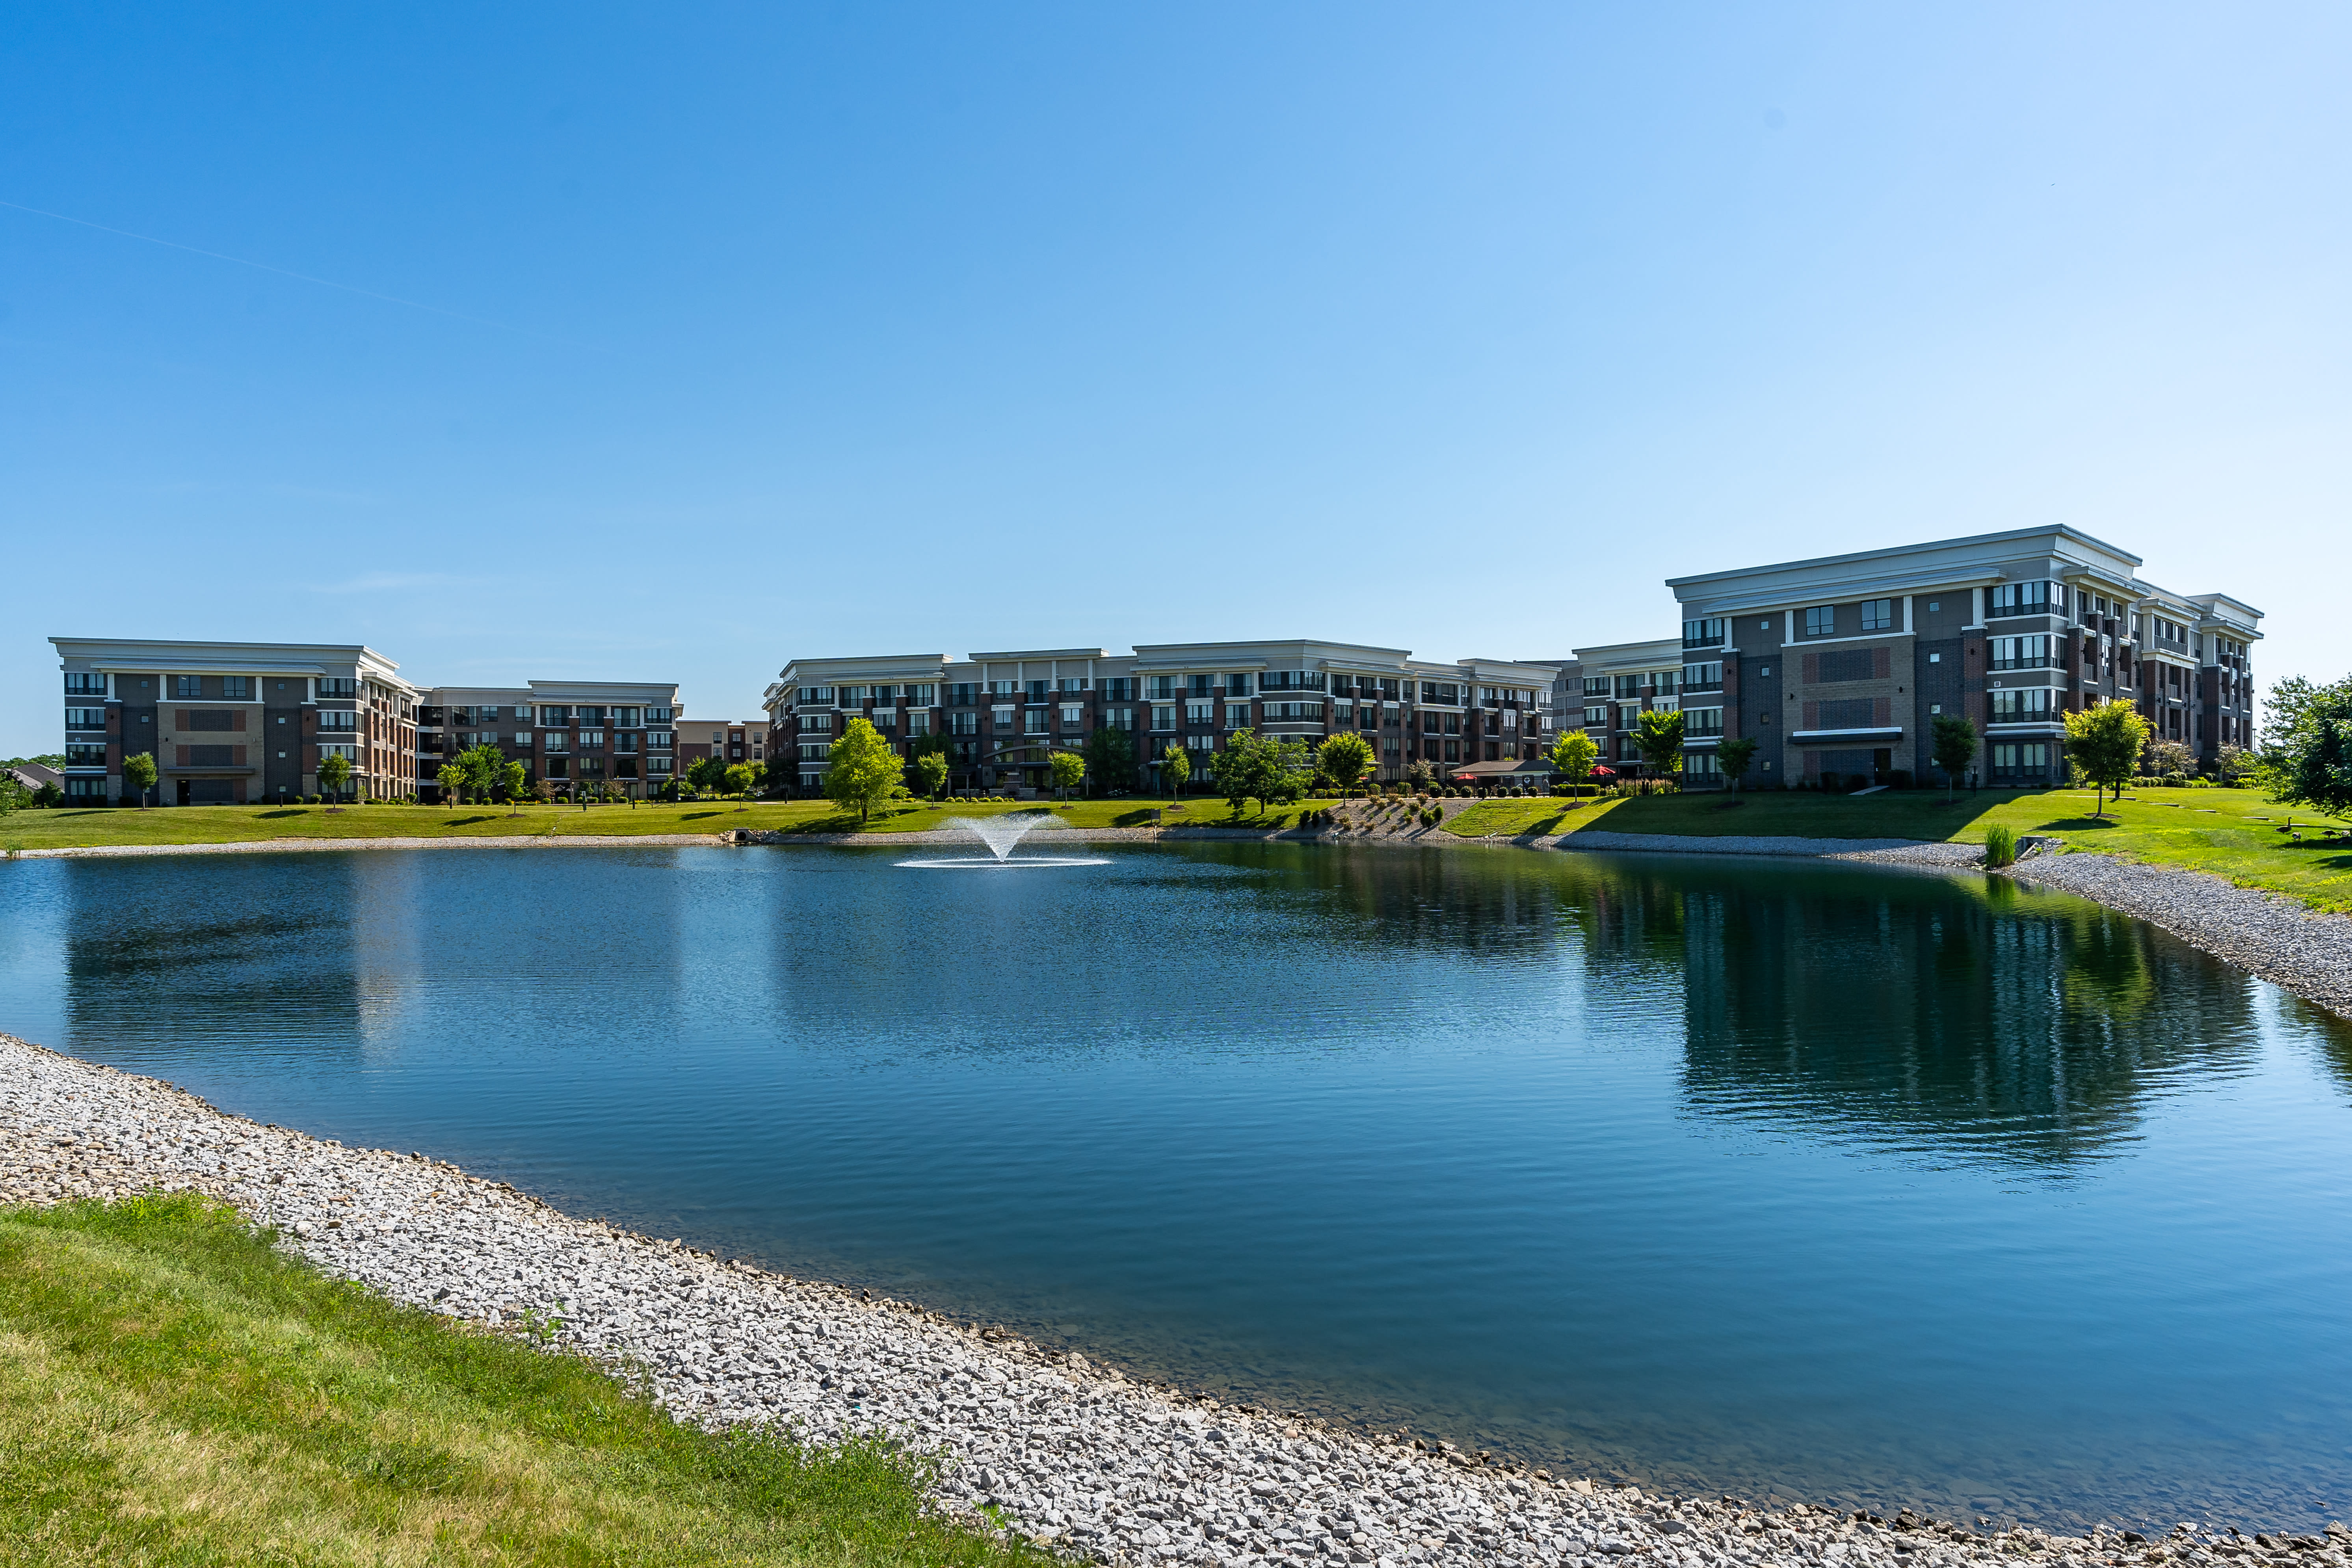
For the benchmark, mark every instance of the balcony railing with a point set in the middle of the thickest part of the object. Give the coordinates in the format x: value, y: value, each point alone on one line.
x: 2047, y: 661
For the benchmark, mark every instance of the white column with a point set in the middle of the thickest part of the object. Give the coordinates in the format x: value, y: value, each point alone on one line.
x: 1906, y: 614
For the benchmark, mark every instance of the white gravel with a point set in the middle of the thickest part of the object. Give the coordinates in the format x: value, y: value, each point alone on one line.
x: 1076, y: 1455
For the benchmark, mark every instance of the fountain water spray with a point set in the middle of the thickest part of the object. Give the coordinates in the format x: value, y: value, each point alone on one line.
x: 1000, y: 833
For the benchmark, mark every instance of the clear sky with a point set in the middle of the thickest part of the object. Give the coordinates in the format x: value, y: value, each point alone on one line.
x: 667, y: 343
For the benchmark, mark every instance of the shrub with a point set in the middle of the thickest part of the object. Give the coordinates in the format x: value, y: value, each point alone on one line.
x: 2000, y: 845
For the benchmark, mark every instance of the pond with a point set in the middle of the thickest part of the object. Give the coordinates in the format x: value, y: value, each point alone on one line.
x: 1813, y: 1180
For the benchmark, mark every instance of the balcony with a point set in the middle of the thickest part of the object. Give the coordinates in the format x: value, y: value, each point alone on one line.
x: 2047, y: 661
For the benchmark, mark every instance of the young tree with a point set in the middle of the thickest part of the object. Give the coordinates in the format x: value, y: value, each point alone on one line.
x: 1345, y: 758
x: 1110, y: 760
x: 1176, y: 768
x: 738, y: 780
x: 1066, y: 768
x: 2170, y: 757
x: 2105, y: 743
x: 758, y: 773
x: 2231, y: 763
x: 1419, y: 774
x: 334, y: 773
x: 1735, y: 757
x: 139, y: 772
x: 1573, y: 755
x: 452, y: 779
x: 481, y: 764
x: 1659, y: 738
x: 514, y: 782
x: 933, y: 766
x: 708, y: 773
x: 1952, y: 741
x: 864, y: 769
x: 14, y: 797
x: 1234, y: 768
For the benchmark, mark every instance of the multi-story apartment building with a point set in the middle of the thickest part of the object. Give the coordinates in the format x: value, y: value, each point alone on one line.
x: 1838, y: 666
x: 248, y: 722
x: 1002, y: 715
x: 230, y: 722
x: 731, y: 740
x: 1604, y: 691
x: 574, y: 735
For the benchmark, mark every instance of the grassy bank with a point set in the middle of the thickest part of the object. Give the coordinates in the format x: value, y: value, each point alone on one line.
x: 76, y: 828
x: 2228, y: 832
x: 173, y: 1391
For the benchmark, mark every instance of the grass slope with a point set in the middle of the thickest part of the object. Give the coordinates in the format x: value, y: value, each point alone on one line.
x: 74, y: 828
x: 2228, y: 832
x: 173, y: 1391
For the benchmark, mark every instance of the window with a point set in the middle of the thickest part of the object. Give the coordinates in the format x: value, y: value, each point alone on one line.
x: 1702, y: 677
x: 1439, y: 691
x: 1878, y: 615
x: 817, y: 752
x: 1711, y: 632
x: 338, y: 719
x: 1003, y: 689
x: 1118, y: 689
x: 1367, y: 717
x: 236, y: 688
x: 1119, y: 718
x: 85, y: 717
x: 1665, y: 682
x: 1237, y: 685
x: 626, y: 743
x: 1001, y: 717
x: 1596, y: 686
x: 1821, y: 620
x: 884, y: 719
x: 655, y: 741
x: 2026, y: 599
x: 964, y: 722
x: 338, y: 686
x: 1040, y: 690
x: 1599, y: 716
x: 591, y: 740
x: 1200, y: 712
x: 1034, y: 720
x: 2025, y: 707
x: 1702, y: 722
x: 1629, y: 686
x: 919, y: 722
x: 1071, y: 683
x: 1073, y: 715
x: 1700, y: 765
x: 1452, y: 751
x: 1163, y: 717
x: 85, y: 684
x: 2031, y: 757
x: 1237, y: 715
x: 188, y: 686
x: 2020, y: 653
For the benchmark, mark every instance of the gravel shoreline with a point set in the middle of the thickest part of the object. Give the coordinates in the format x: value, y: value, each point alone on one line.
x: 1099, y: 1465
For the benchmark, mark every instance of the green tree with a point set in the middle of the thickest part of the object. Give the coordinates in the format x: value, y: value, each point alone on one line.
x: 1176, y: 768
x: 452, y: 779
x: 2104, y: 744
x: 1066, y: 769
x: 14, y: 797
x: 1573, y: 755
x: 1658, y: 736
x: 2170, y: 757
x: 1952, y: 742
x: 1345, y: 758
x: 139, y: 772
x: 1110, y: 760
x: 2307, y: 749
x: 1735, y: 757
x: 1255, y: 767
x: 1419, y: 774
x: 864, y: 769
x: 933, y: 767
x: 738, y: 780
x: 708, y: 773
x: 514, y: 783
x: 334, y: 773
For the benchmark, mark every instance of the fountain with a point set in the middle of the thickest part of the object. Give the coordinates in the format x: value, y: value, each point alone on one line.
x: 1002, y: 835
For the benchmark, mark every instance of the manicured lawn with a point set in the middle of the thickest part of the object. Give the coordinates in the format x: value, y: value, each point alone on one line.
x: 79, y: 827
x: 173, y: 1391
x: 2231, y: 833
x: 1517, y: 818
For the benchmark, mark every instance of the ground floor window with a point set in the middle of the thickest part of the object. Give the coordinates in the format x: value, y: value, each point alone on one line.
x: 1700, y: 765
x: 85, y: 789
x: 2028, y: 758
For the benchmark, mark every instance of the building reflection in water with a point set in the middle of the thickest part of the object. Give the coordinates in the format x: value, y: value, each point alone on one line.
x: 1960, y: 1018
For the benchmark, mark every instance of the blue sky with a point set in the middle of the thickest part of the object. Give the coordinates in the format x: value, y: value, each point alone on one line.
x: 861, y: 328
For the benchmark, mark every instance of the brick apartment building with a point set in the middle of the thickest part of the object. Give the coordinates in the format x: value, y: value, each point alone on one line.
x: 233, y: 723
x: 1839, y: 665
x: 1003, y: 714
x: 731, y: 740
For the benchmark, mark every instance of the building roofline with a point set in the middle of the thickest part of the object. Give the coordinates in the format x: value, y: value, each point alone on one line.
x: 2045, y: 531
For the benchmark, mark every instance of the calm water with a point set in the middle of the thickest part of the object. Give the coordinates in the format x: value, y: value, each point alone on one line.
x: 1821, y: 1182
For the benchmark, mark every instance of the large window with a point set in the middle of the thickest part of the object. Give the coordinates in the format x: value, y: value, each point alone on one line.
x: 1596, y: 686
x: 1711, y: 632
x: 1237, y: 685
x: 1701, y: 721
x: 2020, y: 653
x: 188, y: 686
x: 1118, y: 689
x: 85, y: 717
x: 1878, y: 615
x: 338, y: 719
x: 1073, y: 715
x: 1597, y: 717
x: 2032, y: 598
x: 1200, y: 712
x: 338, y: 686
x: 1821, y: 620
x: 1035, y: 719
x: 1164, y: 717
x: 1702, y: 677
x: 236, y: 688
x: 816, y: 722
x: 2022, y: 707
x: 963, y: 694
x: 1237, y: 715
x: 964, y: 721
x: 1700, y: 765
x: 85, y: 684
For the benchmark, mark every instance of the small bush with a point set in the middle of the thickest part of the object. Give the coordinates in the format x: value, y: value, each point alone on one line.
x: 2000, y: 845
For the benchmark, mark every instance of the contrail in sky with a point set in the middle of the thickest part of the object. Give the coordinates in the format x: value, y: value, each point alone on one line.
x: 283, y: 272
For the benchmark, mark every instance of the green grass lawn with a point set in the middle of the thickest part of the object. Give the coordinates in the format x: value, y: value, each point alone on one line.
x: 174, y: 1391
x: 2231, y: 833
x: 78, y: 827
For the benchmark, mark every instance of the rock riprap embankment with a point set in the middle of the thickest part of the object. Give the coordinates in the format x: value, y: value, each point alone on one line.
x: 1103, y: 1467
